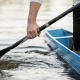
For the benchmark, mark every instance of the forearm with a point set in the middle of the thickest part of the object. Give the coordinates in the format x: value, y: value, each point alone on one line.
x: 33, y: 11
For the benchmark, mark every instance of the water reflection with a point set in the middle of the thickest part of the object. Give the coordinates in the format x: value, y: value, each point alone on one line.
x: 34, y: 59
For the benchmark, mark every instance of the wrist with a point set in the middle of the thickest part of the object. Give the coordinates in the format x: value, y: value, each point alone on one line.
x: 31, y: 19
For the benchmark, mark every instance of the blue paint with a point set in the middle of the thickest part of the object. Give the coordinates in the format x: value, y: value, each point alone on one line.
x: 60, y: 40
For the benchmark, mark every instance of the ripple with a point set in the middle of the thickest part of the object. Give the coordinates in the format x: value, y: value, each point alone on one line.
x: 34, y: 59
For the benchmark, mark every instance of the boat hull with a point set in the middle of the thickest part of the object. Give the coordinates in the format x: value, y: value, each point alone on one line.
x: 61, y: 41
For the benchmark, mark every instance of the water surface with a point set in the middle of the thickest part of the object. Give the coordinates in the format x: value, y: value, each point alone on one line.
x: 34, y: 59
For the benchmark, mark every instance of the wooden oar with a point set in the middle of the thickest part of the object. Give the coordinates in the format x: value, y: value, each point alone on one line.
x: 2, y: 52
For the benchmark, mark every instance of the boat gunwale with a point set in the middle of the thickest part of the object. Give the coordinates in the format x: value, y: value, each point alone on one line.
x: 77, y: 57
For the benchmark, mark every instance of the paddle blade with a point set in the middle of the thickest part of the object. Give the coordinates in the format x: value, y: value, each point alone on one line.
x: 2, y: 52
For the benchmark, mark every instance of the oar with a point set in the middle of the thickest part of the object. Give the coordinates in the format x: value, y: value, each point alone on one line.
x: 2, y: 52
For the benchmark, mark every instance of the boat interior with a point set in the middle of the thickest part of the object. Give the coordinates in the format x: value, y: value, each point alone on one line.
x: 63, y: 36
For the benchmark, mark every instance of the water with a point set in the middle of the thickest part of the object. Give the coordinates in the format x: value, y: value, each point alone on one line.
x: 34, y: 59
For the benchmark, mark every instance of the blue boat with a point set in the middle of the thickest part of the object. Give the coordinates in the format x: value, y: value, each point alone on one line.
x: 61, y: 41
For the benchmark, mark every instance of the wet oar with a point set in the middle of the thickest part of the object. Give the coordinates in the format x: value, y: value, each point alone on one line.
x: 2, y: 52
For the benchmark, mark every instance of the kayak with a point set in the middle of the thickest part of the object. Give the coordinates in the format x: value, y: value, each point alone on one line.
x: 61, y: 41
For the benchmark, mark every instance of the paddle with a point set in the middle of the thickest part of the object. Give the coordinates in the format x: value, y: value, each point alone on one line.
x: 2, y: 52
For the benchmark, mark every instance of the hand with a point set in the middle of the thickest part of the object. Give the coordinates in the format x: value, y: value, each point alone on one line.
x: 32, y: 30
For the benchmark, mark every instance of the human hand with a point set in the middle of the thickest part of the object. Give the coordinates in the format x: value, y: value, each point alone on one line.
x: 32, y: 30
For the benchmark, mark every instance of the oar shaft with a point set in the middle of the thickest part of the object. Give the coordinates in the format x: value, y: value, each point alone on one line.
x: 58, y: 17
x: 18, y: 43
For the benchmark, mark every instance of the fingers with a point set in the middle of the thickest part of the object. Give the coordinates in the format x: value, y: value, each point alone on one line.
x: 32, y: 34
x: 39, y: 34
x: 32, y: 30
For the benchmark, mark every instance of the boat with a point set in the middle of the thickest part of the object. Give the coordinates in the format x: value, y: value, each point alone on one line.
x: 61, y: 41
